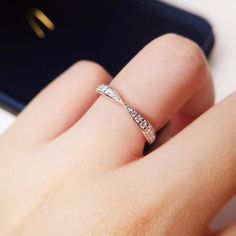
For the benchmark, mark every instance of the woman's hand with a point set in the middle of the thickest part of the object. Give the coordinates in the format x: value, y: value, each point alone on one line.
x: 72, y: 163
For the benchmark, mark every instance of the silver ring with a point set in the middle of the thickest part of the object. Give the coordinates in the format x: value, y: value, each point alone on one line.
x: 143, y: 124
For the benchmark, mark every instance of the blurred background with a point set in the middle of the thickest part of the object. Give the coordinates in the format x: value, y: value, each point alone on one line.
x: 221, y: 14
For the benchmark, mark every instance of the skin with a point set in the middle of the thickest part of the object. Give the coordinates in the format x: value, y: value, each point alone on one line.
x: 74, y: 164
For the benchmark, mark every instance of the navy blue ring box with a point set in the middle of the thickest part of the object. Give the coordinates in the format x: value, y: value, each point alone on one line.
x: 105, y: 31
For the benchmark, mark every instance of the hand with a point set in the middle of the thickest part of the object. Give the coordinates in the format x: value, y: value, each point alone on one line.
x: 73, y: 164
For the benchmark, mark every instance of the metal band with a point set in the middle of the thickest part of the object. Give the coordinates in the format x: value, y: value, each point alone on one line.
x: 143, y: 124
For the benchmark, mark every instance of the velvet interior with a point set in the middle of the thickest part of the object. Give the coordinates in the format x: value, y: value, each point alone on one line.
x: 109, y: 32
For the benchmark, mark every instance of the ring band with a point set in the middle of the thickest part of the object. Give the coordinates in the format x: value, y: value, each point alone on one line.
x: 143, y: 124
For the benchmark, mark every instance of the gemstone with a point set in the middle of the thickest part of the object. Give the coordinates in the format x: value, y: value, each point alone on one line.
x: 148, y: 129
x: 103, y: 88
x: 138, y: 118
x: 108, y: 91
x: 100, y: 88
x: 143, y: 124
x: 134, y: 113
x: 130, y: 109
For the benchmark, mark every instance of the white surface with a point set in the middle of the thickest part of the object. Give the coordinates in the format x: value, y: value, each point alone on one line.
x: 223, y: 63
x: 5, y: 119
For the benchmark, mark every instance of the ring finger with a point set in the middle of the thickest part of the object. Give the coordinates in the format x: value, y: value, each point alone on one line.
x: 168, y: 74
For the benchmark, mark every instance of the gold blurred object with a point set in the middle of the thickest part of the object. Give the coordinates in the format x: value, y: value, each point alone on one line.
x: 37, y: 15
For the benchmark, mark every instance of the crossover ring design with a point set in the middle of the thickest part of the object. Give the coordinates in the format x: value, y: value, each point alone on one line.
x: 143, y: 124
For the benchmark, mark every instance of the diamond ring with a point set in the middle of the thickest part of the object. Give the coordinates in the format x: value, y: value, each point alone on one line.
x: 143, y: 124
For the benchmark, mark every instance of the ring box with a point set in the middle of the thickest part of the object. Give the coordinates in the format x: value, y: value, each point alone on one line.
x: 41, y: 39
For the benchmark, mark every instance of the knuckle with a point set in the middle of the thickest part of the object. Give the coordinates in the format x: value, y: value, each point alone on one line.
x: 87, y: 65
x: 92, y: 69
x: 181, y: 46
x: 181, y: 54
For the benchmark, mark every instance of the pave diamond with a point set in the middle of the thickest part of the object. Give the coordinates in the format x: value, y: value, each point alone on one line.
x: 143, y: 124
x: 138, y: 118
x: 110, y: 92
x: 102, y: 88
x: 148, y: 129
x: 131, y: 111
x: 150, y: 133
x: 134, y: 113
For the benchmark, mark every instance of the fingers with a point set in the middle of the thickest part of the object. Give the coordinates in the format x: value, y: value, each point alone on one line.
x: 194, y: 174
x: 230, y: 231
x: 60, y: 105
x: 157, y: 83
x: 201, y: 101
